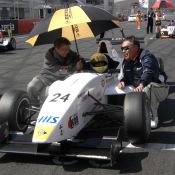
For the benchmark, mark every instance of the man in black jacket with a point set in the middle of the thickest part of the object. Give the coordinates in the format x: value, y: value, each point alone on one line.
x: 150, y: 21
x: 60, y: 61
x: 140, y: 68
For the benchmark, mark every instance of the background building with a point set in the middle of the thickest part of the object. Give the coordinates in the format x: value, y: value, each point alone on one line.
x: 17, y: 9
x: 32, y: 9
x: 25, y: 9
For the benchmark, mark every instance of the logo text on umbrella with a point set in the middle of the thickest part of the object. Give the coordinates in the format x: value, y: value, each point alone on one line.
x: 68, y: 15
x: 76, y: 30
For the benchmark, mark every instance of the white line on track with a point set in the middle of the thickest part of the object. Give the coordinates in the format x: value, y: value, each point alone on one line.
x: 158, y: 146
x: 119, y: 39
x: 22, y: 36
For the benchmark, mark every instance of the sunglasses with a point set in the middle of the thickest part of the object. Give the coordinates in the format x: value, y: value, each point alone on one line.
x: 125, y: 48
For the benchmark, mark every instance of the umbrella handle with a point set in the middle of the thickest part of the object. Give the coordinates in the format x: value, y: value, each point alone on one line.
x: 75, y: 40
x: 122, y: 32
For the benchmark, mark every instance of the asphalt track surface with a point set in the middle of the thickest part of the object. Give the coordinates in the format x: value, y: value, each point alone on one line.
x: 155, y: 158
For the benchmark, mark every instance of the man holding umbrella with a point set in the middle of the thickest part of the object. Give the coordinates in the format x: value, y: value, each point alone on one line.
x: 60, y: 61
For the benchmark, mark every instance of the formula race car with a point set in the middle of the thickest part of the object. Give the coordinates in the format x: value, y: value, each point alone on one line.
x: 168, y: 31
x: 7, y: 42
x: 84, y: 116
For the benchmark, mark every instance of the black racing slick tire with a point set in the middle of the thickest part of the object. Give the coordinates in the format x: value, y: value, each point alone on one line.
x: 14, y: 106
x: 12, y: 44
x: 137, y: 117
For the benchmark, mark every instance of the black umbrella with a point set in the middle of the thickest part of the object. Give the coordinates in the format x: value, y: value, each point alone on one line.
x: 73, y: 23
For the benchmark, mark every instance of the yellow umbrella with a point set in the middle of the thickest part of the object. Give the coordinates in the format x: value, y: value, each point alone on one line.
x: 73, y: 23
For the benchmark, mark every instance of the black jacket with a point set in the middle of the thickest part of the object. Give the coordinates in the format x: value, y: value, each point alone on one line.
x: 143, y: 70
x: 151, y: 15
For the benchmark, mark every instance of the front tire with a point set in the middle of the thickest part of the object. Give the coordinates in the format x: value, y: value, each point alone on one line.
x: 137, y: 117
x: 13, y: 107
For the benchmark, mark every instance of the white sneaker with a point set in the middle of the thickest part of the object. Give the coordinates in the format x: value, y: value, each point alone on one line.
x: 154, y: 123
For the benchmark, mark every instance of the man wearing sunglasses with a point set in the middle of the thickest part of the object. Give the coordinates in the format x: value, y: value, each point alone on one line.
x: 140, y: 68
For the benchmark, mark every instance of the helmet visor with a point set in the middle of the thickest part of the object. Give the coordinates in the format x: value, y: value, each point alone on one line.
x: 99, y: 63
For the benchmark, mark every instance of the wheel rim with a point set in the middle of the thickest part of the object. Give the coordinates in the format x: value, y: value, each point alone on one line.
x: 22, y: 114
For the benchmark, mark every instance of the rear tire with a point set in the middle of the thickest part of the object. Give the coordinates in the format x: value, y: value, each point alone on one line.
x: 12, y: 44
x: 13, y: 106
x: 136, y: 117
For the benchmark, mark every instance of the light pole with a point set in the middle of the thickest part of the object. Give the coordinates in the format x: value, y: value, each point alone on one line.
x: 14, y: 10
x: 18, y: 8
x: 31, y: 8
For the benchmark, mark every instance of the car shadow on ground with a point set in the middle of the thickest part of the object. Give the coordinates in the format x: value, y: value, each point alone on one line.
x: 163, y: 137
x: 166, y: 111
x: 132, y: 160
x: 10, y: 52
x: 24, y: 48
x: 7, y: 53
x: 24, y: 158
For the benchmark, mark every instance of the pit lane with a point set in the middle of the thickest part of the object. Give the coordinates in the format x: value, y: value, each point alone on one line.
x: 19, y: 66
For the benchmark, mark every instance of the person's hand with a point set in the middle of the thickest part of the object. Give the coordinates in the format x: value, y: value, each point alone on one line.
x: 121, y: 30
x: 121, y: 85
x: 79, y: 65
x: 139, y: 88
x: 64, y: 67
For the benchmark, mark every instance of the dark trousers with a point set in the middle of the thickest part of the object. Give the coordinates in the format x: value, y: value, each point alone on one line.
x: 150, y: 26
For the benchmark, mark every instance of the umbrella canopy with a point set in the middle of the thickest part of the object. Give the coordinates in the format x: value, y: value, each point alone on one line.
x: 73, y: 23
x: 163, y: 4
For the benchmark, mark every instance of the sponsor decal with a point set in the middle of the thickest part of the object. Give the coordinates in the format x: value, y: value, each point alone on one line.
x: 48, y: 120
x: 76, y: 30
x: 41, y: 132
x: 58, y: 96
x: 5, y: 27
x: 83, y: 96
x: 102, y: 82
x: 61, y: 129
x: 73, y: 121
x: 68, y: 15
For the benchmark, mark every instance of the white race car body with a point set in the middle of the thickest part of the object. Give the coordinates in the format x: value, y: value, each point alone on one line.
x: 62, y: 114
x: 4, y: 41
x: 8, y: 43
x: 132, y: 18
x: 78, y: 119
x: 168, y: 31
